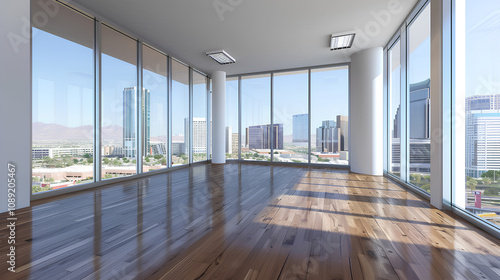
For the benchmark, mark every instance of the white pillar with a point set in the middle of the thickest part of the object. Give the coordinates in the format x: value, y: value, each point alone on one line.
x: 15, y: 107
x: 366, y: 112
x: 218, y: 117
x: 459, y: 123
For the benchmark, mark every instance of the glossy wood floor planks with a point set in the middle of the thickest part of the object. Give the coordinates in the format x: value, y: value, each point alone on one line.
x: 244, y: 221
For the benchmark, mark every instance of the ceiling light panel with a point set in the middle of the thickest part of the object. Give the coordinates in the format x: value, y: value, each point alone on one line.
x: 344, y: 41
x: 221, y: 57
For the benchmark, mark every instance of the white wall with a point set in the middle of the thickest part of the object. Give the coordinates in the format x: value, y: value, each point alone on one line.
x: 15, y: 104
x: 366, y: 112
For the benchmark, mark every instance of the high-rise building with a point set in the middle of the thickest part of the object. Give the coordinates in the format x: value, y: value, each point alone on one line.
x: 146, y: 122
x: 199, y: 135
x: 333, y: 136
x: 129, y: 122
x: 419, y: 117
x: 234, y: 143
x: 482, y: 142
x: 300, y: 128
x: 343, y: 133
x: 327, y: 137
x: 259, y: 136
x: 419, y: 112
x: 229, y: 140
x: 158, y: 149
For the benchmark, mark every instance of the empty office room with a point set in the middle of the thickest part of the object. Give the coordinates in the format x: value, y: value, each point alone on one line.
x: 237, y: 139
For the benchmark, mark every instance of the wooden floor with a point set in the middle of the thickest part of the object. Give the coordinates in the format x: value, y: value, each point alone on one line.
x: 248, y: 222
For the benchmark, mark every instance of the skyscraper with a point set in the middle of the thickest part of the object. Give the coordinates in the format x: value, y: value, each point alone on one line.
x: 327, y: 137
x: 234, y: 143
x: 259, y: 136
x: 482, y: 142
x: 333, y: 136
x: 343, y: 133
x: 199, y: 135
x: 129, y: 121
x: 300, y: 128
x: 146, y: 122
x: 419, y: 132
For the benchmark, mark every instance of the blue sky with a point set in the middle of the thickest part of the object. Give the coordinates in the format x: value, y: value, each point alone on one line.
x: 63, y: 82
x: 329, y: 98
x: 63, y: 87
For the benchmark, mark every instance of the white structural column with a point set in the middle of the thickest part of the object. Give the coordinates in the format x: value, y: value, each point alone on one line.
x: 459, y: 124
x: 15, y: 107
x: 366, y: 112
x: 218, y: 117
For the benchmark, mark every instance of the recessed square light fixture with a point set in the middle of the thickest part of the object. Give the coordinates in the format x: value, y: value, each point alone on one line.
x: 343, y: 41
x: 221, y: 57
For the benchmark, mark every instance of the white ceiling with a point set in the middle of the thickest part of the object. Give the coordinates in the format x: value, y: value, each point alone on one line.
x: 261, y: 35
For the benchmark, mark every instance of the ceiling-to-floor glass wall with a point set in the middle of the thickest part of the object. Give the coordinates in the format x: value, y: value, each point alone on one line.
x: 256, y: 118
x: 418, y: 100
x: 232, y: 125
x: 119, y: 104
x: 180, y: 113
x: 330, y: 115
x: 154, y: 110
x: 290, y: 115
x: 63, y: 101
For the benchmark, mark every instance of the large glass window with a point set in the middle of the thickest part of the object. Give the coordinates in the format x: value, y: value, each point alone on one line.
x: 232, y: 136
x: 476, y: 87
x: 119, y: 104
x: 394, y: 106
x: 154, y: 109
x: 199, y: 117
x: 63, y: 101
x: 290, y: 115
x: 418, y: 100
x: 256, y: 119
x: 330, y: 115
x: 180, y: 113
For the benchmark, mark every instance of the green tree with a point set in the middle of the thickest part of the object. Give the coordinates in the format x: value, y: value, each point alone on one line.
x: 37, y: 188
x: 48, y: 180
x: 157, y: 157
x: 492, y: 174
x: 471, y: 183
x: 416, y: 177
x: 491, y: 191
x: 486, y: 181
x: 105, y: 161
x: 90, y: 160
x: 75, y: 161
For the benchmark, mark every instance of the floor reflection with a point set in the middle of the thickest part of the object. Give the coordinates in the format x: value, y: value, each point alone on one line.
x: 249, y: 221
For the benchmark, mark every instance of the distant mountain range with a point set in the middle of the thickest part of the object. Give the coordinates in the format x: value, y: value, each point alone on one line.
x: 44, y: 132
